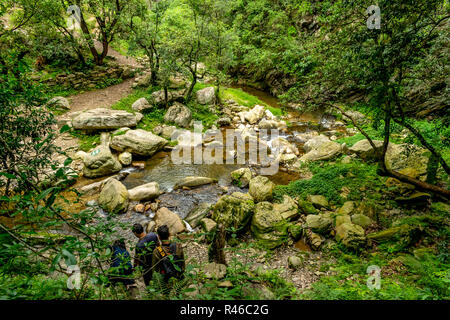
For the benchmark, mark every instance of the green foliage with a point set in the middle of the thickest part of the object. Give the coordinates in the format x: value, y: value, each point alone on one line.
x: 329, y: 179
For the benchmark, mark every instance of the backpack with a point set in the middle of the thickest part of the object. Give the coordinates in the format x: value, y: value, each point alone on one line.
x: 168, y: 269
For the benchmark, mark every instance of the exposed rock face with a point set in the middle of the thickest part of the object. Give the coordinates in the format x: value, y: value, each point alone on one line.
x: 288, y: 208
x: 178, y: 114
x: 171, y: 219
x: 206, y: 95
x: 125, y: 158
x: 103, y: 119
x: 198, y: 213
x: 350, y: 235
x: 261, y: 188
x: 241, y: 177
x: 268, y: 225
x: 114, y: 197
x: 193, y: 182
x: 59, y: 103
x: 146, y: 191
x: 140, y: 105
x: 320, y: 223
x: 234, y: 210
x: 138, y: 142
x: 100, y: 162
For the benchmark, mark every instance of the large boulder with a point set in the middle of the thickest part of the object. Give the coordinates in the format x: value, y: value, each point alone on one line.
x: 324, y: 151
x: 320, y: 223
x: 159, y: 99
x: 198, y: 213
x: 178, y: 114
x: 261, y: 188
x: 234, y: 210
x: 284, y: 146
x: 192, y: 181
x: 241, y: 177
x: 364, y: 150
x: 146, y: 191
x: 59, y: 103
x: 206, y: 96
x: 402, y: 156
x: 268, y: 225
x: 315, y: 142
x: 100, y: 162
x: 166, y: 217
x: 398, y: 156
x: 139, y: 142
x: 114, y: 197
x: 103, y: 119
x: 350, y: 235
x: 140, y: 105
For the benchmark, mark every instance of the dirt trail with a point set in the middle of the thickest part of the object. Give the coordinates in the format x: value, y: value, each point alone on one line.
x: 105, y: 98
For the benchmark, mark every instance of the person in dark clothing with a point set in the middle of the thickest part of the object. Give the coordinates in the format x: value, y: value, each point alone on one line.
x: 168, y: 257
x: 144, y: 249
x: 120, y: 270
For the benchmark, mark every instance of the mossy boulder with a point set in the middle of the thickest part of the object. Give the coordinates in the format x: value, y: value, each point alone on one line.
x: 234, y: 210
x: 393, y: 233
x: 318, y: 201
x: 261, y: 189
x: 241, y: 177
x: 268, y: 226
x: 361, y: 220
x: 114, y: 197
x: 307, y: 207
x: 347, y: 208
x: 340, y: 219
x: 351, y: 235
x: 296, y: 231
x: 320, y: 223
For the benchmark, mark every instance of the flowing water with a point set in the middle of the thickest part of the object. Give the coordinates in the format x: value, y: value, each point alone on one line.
x: 161, y: 169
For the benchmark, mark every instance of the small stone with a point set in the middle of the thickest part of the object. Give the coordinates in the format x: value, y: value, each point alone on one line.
x: 139, y: 208
x: 294, y: 262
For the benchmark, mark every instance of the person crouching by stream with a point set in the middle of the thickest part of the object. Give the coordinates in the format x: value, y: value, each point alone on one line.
x: 144, y: 251
x: 121, y: 270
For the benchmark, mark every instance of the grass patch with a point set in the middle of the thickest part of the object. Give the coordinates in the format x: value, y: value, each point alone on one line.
x: 248, y: 100
x: 87, y: 141
x: 330, y: 178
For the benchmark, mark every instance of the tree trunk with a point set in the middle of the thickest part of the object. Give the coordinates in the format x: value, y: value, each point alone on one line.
x: 216, y: 251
